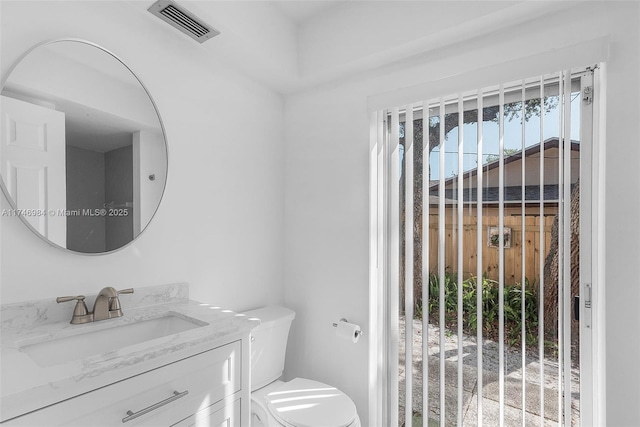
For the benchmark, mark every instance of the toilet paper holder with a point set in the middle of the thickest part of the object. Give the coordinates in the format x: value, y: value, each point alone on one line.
x: 358, y: 333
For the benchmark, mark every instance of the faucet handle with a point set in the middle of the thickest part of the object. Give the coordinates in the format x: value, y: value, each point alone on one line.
x: 114, y: 303
x: 67, y: 299
x: 80, y: 312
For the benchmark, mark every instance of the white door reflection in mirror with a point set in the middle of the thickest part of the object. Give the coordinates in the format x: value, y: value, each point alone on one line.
x: 33, y: 165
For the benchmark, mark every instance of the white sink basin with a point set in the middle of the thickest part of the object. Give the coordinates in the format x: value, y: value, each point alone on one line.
x: 90, y: 343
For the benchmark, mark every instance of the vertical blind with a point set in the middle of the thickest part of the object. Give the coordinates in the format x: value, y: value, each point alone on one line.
x: 506, y: 153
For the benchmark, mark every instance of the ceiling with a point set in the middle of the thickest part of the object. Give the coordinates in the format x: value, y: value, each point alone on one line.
x: 299, y: 11
x: 294, y: 45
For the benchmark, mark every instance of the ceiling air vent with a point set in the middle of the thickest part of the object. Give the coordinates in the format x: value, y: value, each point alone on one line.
x: 183, y: 20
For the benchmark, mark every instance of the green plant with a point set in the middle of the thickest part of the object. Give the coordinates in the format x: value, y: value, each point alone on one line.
x: 490, y: 290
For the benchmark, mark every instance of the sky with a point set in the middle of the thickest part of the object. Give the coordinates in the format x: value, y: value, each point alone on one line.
x: 491, y: 136
x: 512, y: 139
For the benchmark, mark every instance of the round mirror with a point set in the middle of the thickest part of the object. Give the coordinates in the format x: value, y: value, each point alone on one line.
x: 83, y: 156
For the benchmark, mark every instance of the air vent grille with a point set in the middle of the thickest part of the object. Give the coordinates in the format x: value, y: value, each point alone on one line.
x: 183, y: 20
x: 177, y: 16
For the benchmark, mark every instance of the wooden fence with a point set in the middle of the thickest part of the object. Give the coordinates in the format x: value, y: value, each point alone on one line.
x: 513, y: 256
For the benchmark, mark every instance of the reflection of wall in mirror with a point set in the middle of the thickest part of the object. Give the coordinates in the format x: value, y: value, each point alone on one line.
x: 149, y: 159
x: 119, y: 191
x: 85, y: 191
x: 94, y: 80
x: 96, y: 180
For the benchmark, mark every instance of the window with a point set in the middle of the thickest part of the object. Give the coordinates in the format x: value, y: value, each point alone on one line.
x: 504, y: 197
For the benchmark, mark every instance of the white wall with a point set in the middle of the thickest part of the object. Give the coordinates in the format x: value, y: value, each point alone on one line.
x: 220, y: 225
x: 326, y: 249
x: 388, y: 27
x: 326, y: 181
x: 622, y: 232
x: 149, y: 160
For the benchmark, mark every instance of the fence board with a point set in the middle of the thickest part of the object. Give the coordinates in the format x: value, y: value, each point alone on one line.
x: 513, y: 255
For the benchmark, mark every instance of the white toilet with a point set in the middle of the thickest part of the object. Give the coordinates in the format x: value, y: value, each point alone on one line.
x: 296, y: 403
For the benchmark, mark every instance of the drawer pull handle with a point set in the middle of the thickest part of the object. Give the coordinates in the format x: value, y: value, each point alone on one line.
x: 131, y: 415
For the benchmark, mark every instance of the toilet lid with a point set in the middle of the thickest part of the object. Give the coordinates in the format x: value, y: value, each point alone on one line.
x: 306, y: 403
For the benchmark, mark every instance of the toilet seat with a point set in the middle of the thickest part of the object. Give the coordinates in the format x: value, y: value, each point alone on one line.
x: 307, y: 403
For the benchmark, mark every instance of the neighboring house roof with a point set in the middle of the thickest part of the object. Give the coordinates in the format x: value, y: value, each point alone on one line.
x: 511, y: 193
x: 434, y: 200
x: 491, y: 194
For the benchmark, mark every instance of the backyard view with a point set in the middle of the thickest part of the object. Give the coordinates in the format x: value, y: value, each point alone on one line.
x: 527, y: 272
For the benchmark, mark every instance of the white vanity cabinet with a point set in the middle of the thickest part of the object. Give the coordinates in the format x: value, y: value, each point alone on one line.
x: 204, y: 389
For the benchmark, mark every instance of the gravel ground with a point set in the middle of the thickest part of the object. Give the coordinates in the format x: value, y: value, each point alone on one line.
x: 513, y: 361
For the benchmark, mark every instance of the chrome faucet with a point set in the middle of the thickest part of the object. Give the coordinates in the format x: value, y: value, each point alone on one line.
x: 106, y: 306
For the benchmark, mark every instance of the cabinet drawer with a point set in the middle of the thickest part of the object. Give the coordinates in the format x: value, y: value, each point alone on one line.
x: 222, y: 414
x: 200, y: 381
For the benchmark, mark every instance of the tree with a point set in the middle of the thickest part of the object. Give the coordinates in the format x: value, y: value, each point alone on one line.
x: 551, y: 273
x: 507, y: 152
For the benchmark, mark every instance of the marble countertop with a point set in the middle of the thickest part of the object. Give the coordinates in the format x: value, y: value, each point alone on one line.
x: 26, y: 386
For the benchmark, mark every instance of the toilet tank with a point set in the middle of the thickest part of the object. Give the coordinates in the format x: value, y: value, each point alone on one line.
x: 269, y: 344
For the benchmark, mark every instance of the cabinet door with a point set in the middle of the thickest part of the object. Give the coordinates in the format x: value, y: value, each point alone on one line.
x: 165, y: 395
x: 222, y: 414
